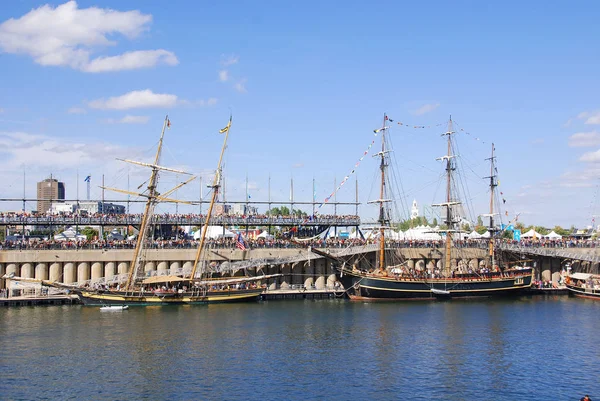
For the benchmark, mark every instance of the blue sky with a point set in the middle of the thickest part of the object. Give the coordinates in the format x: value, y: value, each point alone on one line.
x: 307, y: 82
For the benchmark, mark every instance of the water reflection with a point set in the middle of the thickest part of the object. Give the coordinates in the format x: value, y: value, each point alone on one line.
x: 305, y: 350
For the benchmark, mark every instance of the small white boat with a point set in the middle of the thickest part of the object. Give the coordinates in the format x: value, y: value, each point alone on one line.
x: 114, y: 307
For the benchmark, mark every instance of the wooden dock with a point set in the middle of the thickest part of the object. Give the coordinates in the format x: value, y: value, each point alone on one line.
x: 40, y: 300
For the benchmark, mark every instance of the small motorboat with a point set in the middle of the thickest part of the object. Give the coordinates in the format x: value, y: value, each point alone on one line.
x: 114, y: 307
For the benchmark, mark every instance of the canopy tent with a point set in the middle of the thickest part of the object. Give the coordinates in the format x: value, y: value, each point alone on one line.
x: 423, y: 233
x: 532, y: 234
x: 115, y: 235
x: 553, y: 235
x: 215, y: 232
x: 265, y: 235
x: 373, y: 232
x: 70, y: 234
x: 474, y: 235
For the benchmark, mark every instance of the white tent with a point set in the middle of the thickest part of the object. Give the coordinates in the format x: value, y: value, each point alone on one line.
x: 115, y: 235
x: 215, y: 232
x: 424, y: 233
x: 553, y: 235
x: 474, y: 235
x: 70, y: 234
x: 532, y: 234
x: 485, y: 235
x: 265, y: 235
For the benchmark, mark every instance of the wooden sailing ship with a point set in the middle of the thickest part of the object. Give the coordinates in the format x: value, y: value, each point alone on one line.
x: 195, y: 288
x: 390, y: 281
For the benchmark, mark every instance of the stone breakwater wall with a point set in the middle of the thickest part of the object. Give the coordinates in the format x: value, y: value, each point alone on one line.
x: 308, y: 269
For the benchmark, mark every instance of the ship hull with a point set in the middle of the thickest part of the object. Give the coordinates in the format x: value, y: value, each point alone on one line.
x: 101, y: 298
x: 579, y: 292
x: 365, y: 287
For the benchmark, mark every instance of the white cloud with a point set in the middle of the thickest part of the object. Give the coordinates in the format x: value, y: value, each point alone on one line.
x: 584, y: 139
x: 211, y: 101
x: 77, y: 110
x: 24, y: 149
x: 580, y: 179
x: 223, y: 75
x: 226, y: 61
x: 129, y: 120
x: 426, y: 108
x: 591, y: 157
x: 136, y: 99
x: 591, y: 117
x: 240, y: 86
x: 68, y: 36
x: 131, y: 61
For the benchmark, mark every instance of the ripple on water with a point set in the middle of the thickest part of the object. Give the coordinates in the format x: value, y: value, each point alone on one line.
x: 305, y: 350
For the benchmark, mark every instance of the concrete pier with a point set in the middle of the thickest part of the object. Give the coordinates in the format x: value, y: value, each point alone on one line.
x: 307, y: 270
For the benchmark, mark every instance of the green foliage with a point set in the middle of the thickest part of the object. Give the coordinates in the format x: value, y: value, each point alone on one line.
x: 89, y: 232
x: 417, y: 221
x: 279, y: 211
x: 285, y: 211
x: 561, y: 231
x: 466, y: 227
x: 434, y: 222
x: 480, y: 229
x: 479, y: 221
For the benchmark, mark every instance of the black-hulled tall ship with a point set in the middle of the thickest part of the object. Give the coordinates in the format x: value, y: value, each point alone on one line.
x: 391, y: 280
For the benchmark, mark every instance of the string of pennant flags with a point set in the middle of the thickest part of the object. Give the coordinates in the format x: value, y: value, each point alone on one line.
x: 349, y: 174
x: 415, y: 126
x: 460, y: 129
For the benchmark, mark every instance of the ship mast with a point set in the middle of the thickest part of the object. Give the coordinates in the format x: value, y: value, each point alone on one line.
x: 449, y: 222
x: 382, y: 217
x: 148, y: 211
x: 493, y: 185
x: 215, y: 192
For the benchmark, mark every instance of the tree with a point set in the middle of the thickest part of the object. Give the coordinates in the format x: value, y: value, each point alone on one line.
x: 481, y: 229
x: 561, y: 231
x: 279, y: 211
x: 479, y: 221
x: 89, y: 232
x: 435, y: 222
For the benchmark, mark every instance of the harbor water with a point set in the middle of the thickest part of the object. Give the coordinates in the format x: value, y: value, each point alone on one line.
x: 543, y: 348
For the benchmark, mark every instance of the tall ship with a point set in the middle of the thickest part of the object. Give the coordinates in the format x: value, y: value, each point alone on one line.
x: 390, y: 279
x: 198, y: 286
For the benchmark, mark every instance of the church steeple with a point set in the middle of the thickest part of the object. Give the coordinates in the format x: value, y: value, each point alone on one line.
x: 414, y: 211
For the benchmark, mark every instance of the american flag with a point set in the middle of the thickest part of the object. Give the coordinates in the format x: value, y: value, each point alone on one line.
x: 239, y: 242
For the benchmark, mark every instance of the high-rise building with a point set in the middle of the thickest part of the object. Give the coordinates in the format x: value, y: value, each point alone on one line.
x: 48, y: 191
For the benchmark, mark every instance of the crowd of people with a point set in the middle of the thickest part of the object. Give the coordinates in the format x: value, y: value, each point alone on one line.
x: 275, y: 242
x: 19, y: 218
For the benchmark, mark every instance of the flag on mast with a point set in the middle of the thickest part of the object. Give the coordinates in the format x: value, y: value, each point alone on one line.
x: 240, y: 243
x: 224, y: 130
